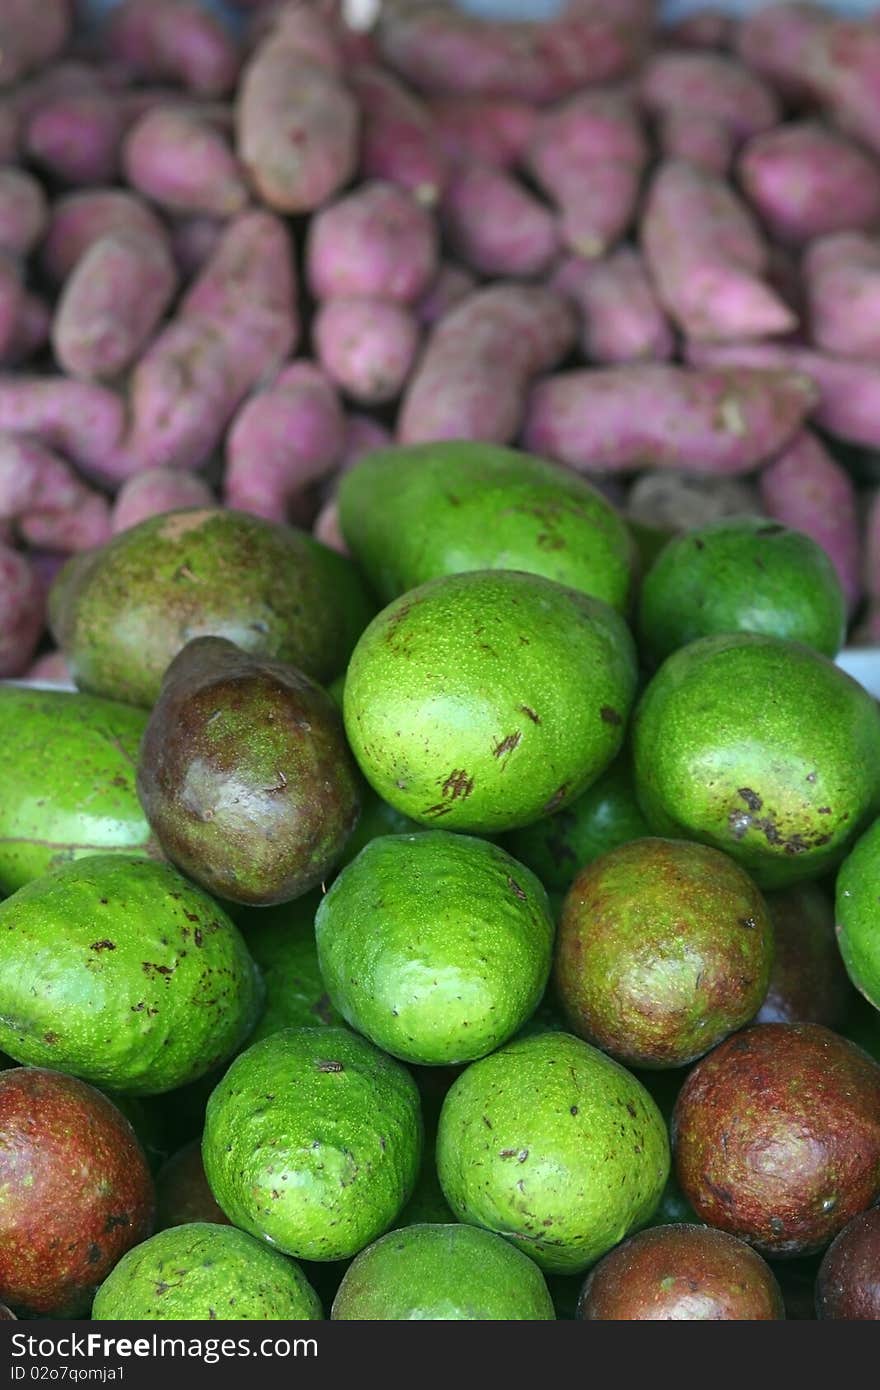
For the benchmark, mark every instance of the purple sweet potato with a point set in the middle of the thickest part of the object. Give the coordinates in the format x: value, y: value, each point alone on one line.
x: 12, y: 294
x: 297, y: 128
x: 175, y: 40
x: 483, y: 130
x: 182, y: 161
x: 707, y: 258
x: 806, y: 180
x: 112, y: 303
x: 155, y: 491
x: 82, y: 421
x: 22, y: 612
x: 363, y: 435
x: 621, y: 317
x: 712, y: 85
x: 235, y: 326
x: 31, y: 37
x: 471, y: 379
x: 50, y: 669
x: 399, y: 141
x: 65, y: 533
x: 52, y: 507
x: 367, y: 346
x: 193, y: 242
x: 376, y: 241
x: 805, y: 489
x: 327, y: 529
x: 806, y: 51
x: 702, y: 140
x: 439, y: 48
x: 450, y: 286
x: 496, y: 225
x: 703, y: 29
x: 618, y: 419
x: 77, y: 137
x: 588, y: 155
x: 79, y: 219
x: 24, y: 212
x: 842, y: 276
x: 30, y: 333
x: 284, y: 439
x: 849, y: 390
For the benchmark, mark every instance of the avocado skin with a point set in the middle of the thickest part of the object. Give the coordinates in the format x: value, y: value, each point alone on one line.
x: 681, y: 1273
x: 245, y: 775
x: 120, y: 971
x: 442, y: 1273
x: 67, y: 782
x: 606, y: 815
x: 858, y: 929
x: 741, y: 574
x: 808, y: 982
x: 777, y: 1136
x: 435, y: 946
x: 413, y: 514
x: 482, y: 701
x: 313, y: 1142
x: 122, y: 612
x: 556, y: 1147
x: 202, y: 1272
x: 664, y: 947
x: 282, y: 942
x: 762, y: 748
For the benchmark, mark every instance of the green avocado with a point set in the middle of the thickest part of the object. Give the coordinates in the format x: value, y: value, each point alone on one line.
x: 762, y: 748
x: 122, y: 612
x: 123, y: 973
x: 442, y: 1273
x: 741, y: 574
x: 245, y: 774
x: 664, y: 947
x: 67, y: 782
x: 606, y: 815
x: 436, y: 946
x: 486, y: 700
x: 553, y: 1145
x: 282, y: 942
x: 313, y: 1141
x: 202, y: 1272
x: 413, y: 514
x: 858, y: 921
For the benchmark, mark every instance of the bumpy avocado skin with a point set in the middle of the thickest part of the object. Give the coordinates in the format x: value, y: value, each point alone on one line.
x: 762, y: 748
x: 201, y: 1272
x: 553, y: 1145
x: 482, y: 701
x: 313, y: 1141
x: 858, y: 924
x: 664, y: 947
x: 442, y: 1273
x: 121, y: 613
x: 741, y: 574
x: 245, y: 774
x: 606, y: 815
x: 282, y: 942
x: 413, y: 514
x: 67, y: 782
x: 123, y: 973
x: 436, y: 946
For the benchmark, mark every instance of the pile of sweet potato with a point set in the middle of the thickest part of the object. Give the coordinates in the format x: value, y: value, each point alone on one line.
x: 233, y: 262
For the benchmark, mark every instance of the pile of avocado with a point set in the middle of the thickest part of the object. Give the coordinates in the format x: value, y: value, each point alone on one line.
x: 478, y: 925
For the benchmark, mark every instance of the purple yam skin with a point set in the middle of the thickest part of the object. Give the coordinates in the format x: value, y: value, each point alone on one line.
x: 495, y: 225
x: 377, y: 241
x: 621, y: 317
x: 659, y: 415
x: 185, y: 164
x: 806, y: 180
x: 367, y: 346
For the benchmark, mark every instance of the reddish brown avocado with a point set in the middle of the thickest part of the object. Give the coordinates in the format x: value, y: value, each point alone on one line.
x: 681, y: 1274
x: 182, y: 1191
x: 664, y: 947
x: 245, y: 775
x: 75, y: 1191
x: 848, y: 1286
x: 776, y: 1136
x: 808, y: 982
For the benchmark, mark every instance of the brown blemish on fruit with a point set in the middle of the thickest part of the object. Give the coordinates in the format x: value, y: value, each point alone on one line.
x: 530, y: 714
x: 457, y: 784
x: 610, y: 715
x: 103, y: 946
x: 556, y: 799
x: 507, y: 744
x: 330, y: 1066
x: 516, y: 889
